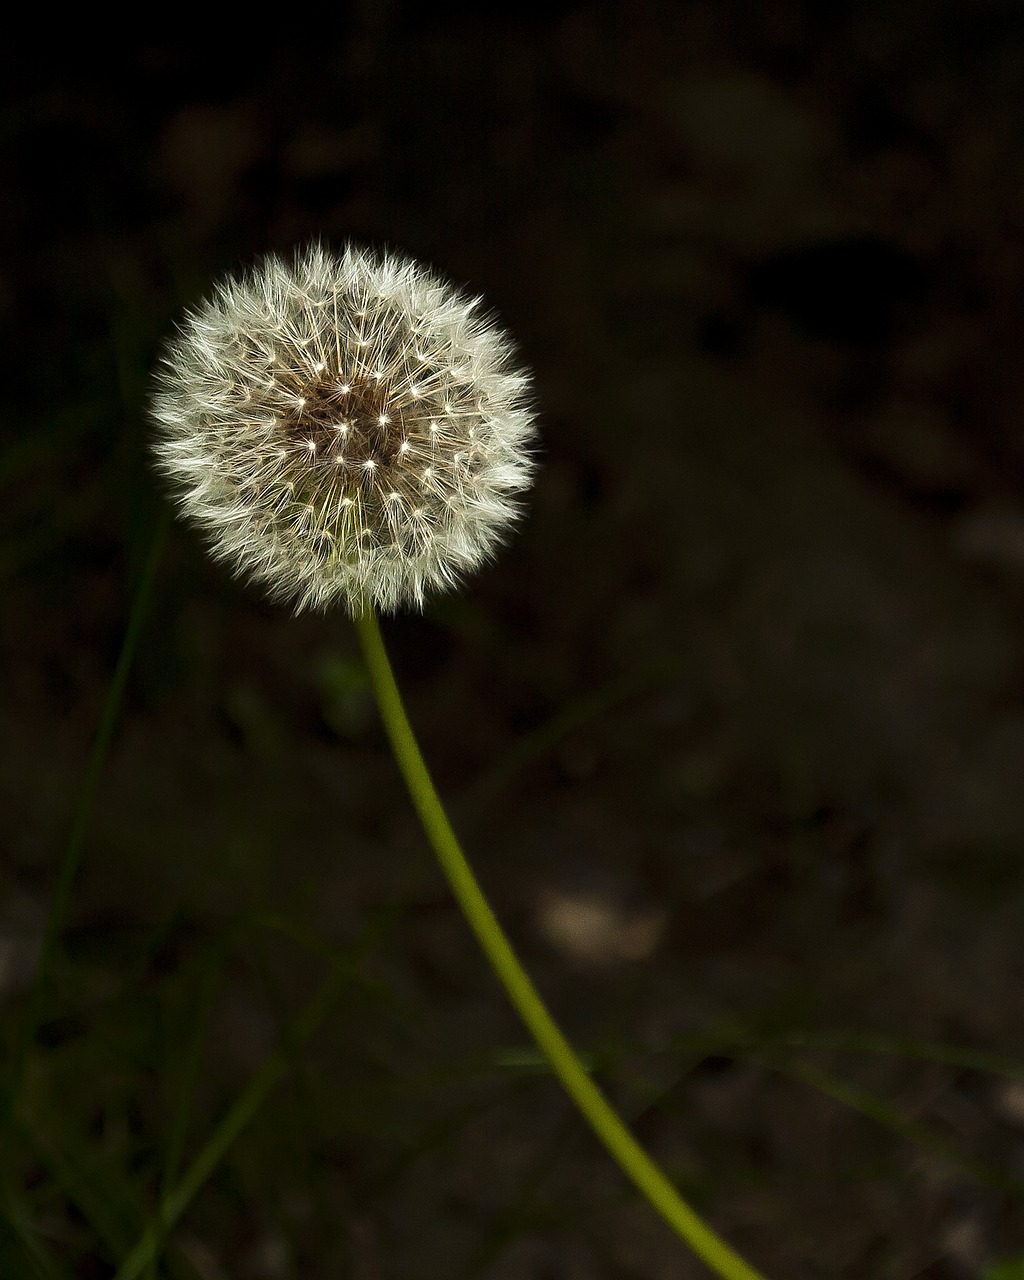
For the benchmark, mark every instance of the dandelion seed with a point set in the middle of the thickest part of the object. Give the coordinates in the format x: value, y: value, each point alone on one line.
x: 264, y: 466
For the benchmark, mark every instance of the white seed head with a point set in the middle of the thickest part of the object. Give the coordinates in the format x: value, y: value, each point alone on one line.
x: 344, y: 429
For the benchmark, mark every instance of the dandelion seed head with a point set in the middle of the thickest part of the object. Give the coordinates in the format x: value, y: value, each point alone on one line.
x: 344, y: 429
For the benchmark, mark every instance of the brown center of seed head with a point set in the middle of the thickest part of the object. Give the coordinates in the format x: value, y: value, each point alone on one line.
x: 344, y: 424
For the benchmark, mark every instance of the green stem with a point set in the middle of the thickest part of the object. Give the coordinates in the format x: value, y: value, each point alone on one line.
x: 604, y: 1121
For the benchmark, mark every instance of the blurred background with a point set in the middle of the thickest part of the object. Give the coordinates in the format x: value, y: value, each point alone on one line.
x: 733, y: 729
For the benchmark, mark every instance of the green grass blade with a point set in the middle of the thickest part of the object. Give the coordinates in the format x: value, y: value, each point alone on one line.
x: 82, y: 814
x: 23, y: 1252
x: 84, y: 1183
x: 246, y: 1106
x: 883, y: 1113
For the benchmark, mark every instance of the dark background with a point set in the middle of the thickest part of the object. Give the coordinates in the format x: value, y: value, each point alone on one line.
x: 733, y: 729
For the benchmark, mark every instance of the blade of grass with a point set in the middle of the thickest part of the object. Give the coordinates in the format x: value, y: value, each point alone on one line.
x: 581, y: 711
x: 86, y: 1185
x: 18, y: 1238
x: 765, y: 1048
x: 246, y: 1106
x: 742, y: 1040
x: 883, y: 1113
x: 244, y: 927
x: 190, y: 1078
x: 186, y: 1095
x: 174, y: 1204
x: 82, y: 813
x: 905, y: 1047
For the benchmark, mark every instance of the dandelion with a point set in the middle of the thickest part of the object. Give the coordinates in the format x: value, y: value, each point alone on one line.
x: 351, y: 429
x: 344, y: 429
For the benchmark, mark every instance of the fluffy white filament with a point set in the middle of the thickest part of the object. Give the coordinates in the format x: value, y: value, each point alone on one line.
x: 344, y: 429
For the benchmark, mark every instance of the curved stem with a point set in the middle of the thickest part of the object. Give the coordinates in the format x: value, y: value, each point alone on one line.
x: 596, y: 1109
